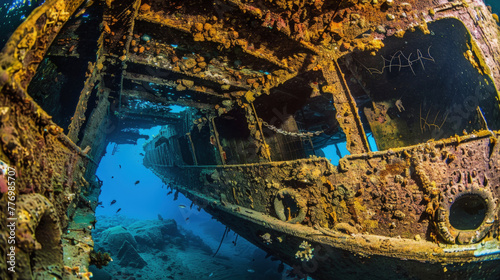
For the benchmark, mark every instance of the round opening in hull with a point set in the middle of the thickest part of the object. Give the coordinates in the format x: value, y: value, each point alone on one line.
x: 468, y: 212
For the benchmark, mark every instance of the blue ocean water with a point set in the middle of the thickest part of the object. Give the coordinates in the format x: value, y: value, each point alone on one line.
x: 141, y: 195
x: 337, y: 151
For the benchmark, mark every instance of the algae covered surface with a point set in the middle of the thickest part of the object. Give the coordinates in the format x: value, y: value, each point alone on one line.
x: 128, y: 126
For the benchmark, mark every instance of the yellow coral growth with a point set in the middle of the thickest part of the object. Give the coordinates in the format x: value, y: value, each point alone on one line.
x: 76, y: 271
x: 86, y: 275
x: 374, y: 45
x: 332, y: 187
x: 306, y: 254
x: 400, y: 33
x: 470, y: 57
x: 424, y: 28
x: 23, y: 216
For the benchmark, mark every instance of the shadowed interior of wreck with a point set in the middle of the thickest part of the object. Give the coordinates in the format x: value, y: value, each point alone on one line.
x: 146, y: 92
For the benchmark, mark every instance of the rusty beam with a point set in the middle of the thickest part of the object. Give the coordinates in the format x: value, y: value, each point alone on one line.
x: 346, y: 108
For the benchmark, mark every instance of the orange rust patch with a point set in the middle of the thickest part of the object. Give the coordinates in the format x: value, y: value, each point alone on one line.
x: 394, y: 169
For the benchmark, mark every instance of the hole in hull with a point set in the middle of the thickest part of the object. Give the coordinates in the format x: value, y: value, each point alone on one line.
x: 468, y: 212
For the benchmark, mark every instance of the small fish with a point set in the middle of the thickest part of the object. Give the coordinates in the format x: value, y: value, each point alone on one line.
x: 100, y: 203
x: 120, y: 165
x: 211, y: 274
x: 119, y: 209
x: 113, y: 202
x: 137, y: 182
x: 187, y: 219
x: 170, y: 192
x: 141, y: 154
x: 251, y: 270
x: 112, y: 177
x: 101, y: 206
x: 182, y: 206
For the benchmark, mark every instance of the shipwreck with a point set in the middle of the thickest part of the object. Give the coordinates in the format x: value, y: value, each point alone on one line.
x: 409, y: 87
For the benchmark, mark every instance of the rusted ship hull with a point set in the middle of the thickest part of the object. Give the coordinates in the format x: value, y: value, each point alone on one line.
x: 397, y: 228
x: 332, y: 262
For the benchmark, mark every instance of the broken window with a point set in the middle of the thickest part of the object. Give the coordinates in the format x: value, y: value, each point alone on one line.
x: 298, y: 118
x: 237, y: 145
x: 56, y: 87
x: 421, y: 87
x: 57, y: 84
x: 204, y: 143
